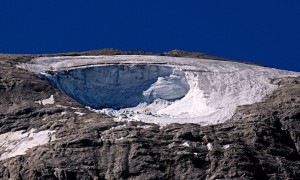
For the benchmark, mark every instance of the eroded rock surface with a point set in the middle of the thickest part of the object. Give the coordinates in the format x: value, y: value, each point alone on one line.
x: 261, y: 141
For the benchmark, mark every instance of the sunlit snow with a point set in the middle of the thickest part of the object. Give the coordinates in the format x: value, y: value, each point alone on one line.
x: 17, y: 143
x: 46, y: 101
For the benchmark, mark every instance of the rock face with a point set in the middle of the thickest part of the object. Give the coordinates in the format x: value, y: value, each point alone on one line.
x: 261, y: 140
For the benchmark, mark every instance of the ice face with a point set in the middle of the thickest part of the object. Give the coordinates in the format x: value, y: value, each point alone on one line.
x: 172, y: 87
x: 121, y: 86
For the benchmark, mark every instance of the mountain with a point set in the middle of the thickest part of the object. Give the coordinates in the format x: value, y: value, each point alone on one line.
x: 110, y: 114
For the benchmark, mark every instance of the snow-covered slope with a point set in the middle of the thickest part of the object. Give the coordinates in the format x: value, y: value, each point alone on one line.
x: 18, y: 142
x: 159, y: 89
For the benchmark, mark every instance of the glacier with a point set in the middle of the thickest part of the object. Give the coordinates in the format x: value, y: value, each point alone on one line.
x: 158, y: 89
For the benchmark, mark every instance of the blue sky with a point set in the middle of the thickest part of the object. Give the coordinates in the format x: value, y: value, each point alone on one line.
x: 261, y: 31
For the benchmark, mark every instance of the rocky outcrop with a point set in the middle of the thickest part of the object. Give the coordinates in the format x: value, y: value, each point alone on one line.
x: 261, y: 141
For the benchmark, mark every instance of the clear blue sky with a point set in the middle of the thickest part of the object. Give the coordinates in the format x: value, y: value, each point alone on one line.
x: 262, y: 31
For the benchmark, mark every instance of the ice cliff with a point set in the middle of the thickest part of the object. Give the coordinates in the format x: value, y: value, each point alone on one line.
x: 121, y: 86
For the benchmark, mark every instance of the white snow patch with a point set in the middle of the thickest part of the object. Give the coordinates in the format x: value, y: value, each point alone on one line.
x: 17, y: 143
x: 186, y: 144
x: 120, y: 139
x: 209, y: 146
x: 58, y: 105
x: 63, y: 120
x: 117, y: 127
x: 46, y: 101
x: 144, y: 126
x: 226, y: 146
x: 79, y: 113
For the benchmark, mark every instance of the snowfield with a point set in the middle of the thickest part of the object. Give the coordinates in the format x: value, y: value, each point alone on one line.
x: 17, y: 143
x: 158, y: 89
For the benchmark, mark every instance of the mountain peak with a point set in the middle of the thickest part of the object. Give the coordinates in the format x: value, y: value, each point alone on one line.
x: 111, y: 114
